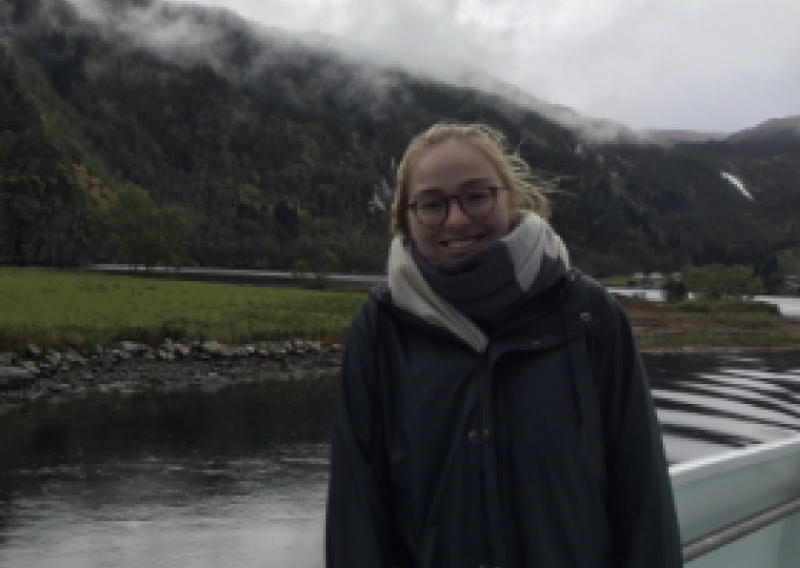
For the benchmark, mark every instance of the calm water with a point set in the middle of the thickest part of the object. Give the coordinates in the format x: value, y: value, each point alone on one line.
x: 237, y: 478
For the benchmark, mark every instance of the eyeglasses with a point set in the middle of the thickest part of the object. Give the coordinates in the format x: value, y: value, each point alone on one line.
x: 431, y: 210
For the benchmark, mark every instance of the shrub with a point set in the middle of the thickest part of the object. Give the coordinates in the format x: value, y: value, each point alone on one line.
x: 718, y: 282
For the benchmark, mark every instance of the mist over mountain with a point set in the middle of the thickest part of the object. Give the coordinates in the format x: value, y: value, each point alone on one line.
x: 669, y: 138
x: 284, y: 148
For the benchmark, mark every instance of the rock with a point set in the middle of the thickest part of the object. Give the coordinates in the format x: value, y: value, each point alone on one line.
x: 210, y: 347
x: 46, y: 370
x: 29, y: 366
x: 164, y: 355
x: 240, y: 351
x: 7, y: 359
x: 52, y: 357
x: 181, y: 350
x: 133, y: 347
x: 33, y: 351
x: 12, y: 378
x: 73, y: 358
x: 215, y: 349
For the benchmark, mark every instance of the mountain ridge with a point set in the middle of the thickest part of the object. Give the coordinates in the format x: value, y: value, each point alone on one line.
x: 779, y: 129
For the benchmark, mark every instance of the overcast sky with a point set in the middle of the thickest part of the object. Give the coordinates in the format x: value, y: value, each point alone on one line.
x: 709, y: 65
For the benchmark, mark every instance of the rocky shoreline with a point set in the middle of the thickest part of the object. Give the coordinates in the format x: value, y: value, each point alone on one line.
x: 130, y: 368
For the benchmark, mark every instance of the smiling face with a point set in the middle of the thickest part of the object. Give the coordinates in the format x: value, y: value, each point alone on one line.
x: 448, y: 169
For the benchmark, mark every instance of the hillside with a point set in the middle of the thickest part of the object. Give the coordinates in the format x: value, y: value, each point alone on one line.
x: 284, y: 151
x: 773, y: 131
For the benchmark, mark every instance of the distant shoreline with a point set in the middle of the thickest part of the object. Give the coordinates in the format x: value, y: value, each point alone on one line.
x: 661, y: 327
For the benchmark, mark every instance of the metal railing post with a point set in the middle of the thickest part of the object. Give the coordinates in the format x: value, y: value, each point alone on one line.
x: 741, y: 528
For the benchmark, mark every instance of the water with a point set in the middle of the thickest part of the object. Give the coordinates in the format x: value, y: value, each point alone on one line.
x: 708, y: 404
x: 237, y: 478
x: 230, y: 479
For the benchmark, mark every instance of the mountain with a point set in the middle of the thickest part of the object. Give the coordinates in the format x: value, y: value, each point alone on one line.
x: 284, y: 149
x: 667, y: 138
x: 775, y: 130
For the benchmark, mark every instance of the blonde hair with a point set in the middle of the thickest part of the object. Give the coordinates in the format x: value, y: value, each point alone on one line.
x: 514, y: 172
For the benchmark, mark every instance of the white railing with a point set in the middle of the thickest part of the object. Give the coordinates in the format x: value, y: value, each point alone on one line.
x: 741, y: 509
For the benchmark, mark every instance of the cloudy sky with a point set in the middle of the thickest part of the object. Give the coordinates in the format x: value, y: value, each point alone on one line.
x: 709, y: 65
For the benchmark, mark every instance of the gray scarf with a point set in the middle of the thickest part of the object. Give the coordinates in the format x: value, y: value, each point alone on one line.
x: 481, y: 288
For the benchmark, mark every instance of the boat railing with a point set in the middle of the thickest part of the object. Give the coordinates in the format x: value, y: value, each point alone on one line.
x: 741, y: 508
x: 734, y: 531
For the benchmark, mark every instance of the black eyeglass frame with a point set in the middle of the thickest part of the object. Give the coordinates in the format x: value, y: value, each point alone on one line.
x: 458, y: 197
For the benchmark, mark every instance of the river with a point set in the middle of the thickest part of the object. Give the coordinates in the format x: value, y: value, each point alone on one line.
x: 237, y: 478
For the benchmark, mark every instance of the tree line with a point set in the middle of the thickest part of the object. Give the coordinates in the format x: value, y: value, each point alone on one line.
x: 145, y: 234
x: 714, y: 282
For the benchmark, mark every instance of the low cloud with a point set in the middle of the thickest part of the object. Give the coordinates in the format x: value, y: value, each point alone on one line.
x: 717, y: 65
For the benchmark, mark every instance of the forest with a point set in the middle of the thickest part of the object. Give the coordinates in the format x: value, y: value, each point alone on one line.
x: 293, y: 159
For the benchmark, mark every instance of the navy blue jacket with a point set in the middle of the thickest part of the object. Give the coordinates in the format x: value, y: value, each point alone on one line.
x: 542, y: 452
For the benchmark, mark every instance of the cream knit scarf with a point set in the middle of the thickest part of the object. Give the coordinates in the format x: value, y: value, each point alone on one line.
x: 480, y: 289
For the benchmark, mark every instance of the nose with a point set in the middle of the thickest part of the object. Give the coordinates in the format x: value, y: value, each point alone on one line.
x: 455, y: 213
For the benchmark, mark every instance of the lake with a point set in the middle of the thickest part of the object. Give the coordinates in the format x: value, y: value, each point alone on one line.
x: 238, y: 478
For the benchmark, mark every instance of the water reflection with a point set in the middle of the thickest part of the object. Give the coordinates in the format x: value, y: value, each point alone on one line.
x: 709, y: 404
x: 237, y: 478
x: 233, y: 479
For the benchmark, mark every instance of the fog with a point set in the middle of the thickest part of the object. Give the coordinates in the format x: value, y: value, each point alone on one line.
x: 715, y: 65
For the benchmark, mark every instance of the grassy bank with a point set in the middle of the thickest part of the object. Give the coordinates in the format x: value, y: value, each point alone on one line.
x: 615, y: 281
x: 53, y: 308
x: 698, y: 325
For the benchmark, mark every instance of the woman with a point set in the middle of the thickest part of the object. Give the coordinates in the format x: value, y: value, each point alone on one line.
x: 493, y: 409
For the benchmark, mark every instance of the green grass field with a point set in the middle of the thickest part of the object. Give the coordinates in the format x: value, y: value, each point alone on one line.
x: 53, y: 308
x: 615, y: 281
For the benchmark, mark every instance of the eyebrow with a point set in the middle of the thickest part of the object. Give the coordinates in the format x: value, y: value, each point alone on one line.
x: 464, y: 185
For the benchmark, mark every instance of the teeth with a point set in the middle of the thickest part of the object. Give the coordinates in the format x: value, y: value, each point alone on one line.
x: 464, y: 243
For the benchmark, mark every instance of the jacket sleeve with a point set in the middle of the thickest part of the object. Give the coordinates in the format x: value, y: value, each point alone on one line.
x: 357, y: 531
x: 640, y: 502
